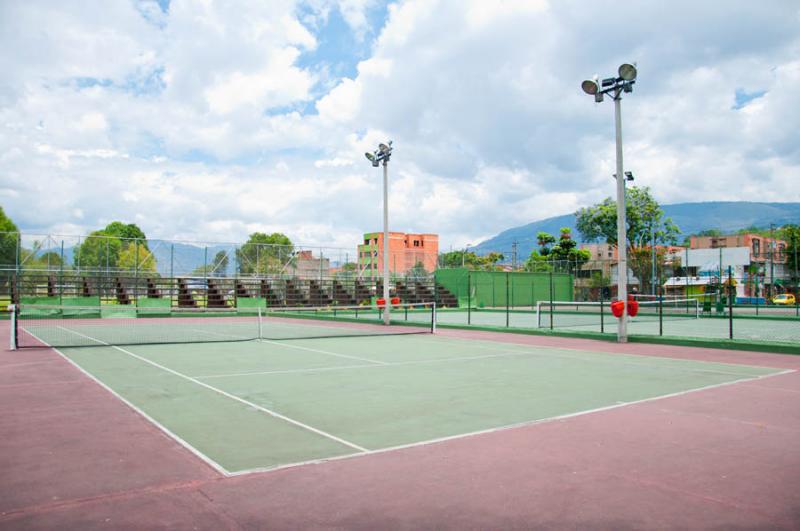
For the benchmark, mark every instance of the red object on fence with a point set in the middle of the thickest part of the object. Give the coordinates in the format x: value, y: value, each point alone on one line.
x: 618, y: 308
x: 633, y: 308
x: 395, y: 300
x: 381, y: 302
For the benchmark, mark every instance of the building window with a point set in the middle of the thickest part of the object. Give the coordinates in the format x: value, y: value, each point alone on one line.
x: 781, y: 251
x: 756, y: 248
x: 416, y: 243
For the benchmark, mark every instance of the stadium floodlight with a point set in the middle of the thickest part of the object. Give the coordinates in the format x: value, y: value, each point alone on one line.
x: 590, y: 87
x: 627, y: 72
x: 614, y: 87
x: 383, y: 154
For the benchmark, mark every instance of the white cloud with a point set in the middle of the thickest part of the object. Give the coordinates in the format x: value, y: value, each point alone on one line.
x: 208, y: 122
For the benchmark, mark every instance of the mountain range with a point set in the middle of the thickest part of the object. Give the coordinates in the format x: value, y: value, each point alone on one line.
x: 691, y: 218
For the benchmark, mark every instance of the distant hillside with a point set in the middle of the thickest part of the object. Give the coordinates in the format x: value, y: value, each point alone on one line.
x: 691, y: 218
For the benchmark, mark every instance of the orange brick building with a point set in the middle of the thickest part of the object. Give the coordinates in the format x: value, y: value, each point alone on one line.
x: 405, y: 251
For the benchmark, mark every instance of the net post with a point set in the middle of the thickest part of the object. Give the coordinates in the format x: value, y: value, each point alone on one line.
x: 433, y: 318
x: 14, y: 342
x: 538, y: 315
x: 661, y: 311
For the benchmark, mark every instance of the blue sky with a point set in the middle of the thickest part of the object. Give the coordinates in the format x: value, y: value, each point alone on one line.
x: 211, y: 120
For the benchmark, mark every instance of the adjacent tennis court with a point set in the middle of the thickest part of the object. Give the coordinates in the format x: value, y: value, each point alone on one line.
x: 249, y: 393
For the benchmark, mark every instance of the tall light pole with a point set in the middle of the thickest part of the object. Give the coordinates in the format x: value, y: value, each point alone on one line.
x: 615, y: 86
x: 383, y: 154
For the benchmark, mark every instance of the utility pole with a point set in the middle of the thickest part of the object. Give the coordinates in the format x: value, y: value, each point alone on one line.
x: 514, y: 256
x: 771, y: 261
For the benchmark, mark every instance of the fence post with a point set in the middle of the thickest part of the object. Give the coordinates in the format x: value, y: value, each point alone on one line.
x: 551, y: 299
x: 136, y: 271
x: 507, y: 301
x: 61, y: 277
x: 469, y: 297
x: 602, y: 314
x: 533, y: 292
x: 731, y: 293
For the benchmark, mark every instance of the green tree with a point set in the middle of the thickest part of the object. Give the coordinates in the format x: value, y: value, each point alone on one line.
x: 126, y: 232
x: 8, y: 241
x: 98, y: 250
x: 490, y: 260
x: 791, y: 233
x: 458, y: 259
x: 136, y: 257
x: 566, y: 251
x: 646, y: 225
x: 264, y: 253
x: 545, y: 240
x: 51, y: 258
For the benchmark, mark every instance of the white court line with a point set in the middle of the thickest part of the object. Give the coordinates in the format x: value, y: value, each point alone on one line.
x: 280, y: 343
x: 533, y: 350
x: 387, y: 364
x: 507, y: 427
x: 226, y: 394
x: 203, y: 457
x: 611, y: 357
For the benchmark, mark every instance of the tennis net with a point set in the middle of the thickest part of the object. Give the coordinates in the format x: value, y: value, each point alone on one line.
x: 76, y: 326
x: 564, y: 314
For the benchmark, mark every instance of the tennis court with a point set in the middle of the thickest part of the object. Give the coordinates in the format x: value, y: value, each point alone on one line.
x: 767, y: 328
x: 308, y: 388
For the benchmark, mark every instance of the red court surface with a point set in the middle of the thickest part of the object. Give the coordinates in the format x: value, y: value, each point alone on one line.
x: 72, y: 456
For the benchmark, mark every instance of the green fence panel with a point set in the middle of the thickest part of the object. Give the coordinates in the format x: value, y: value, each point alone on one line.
x: 489, y: 287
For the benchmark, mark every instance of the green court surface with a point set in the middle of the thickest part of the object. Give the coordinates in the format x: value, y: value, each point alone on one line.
x: 760, y: 329
x: 252, y: 405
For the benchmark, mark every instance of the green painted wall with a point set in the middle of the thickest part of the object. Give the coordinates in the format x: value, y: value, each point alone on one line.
x: 495, y: 288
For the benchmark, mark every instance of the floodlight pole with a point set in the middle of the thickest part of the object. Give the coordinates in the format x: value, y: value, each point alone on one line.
x: 387, y: 301
x: 622, y: 242
x: 382, y: 155
x: 614, y: 87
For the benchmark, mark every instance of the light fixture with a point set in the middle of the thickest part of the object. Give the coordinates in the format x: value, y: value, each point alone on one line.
x: 627, y: 72
x: 590, y: 87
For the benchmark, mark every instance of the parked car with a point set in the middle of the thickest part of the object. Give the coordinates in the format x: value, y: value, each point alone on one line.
x: 786, y: 299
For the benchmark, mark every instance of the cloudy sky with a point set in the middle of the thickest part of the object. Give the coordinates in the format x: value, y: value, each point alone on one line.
x: 207, y: 120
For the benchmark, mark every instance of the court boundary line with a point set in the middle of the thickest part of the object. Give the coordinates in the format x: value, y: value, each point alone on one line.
x: 271, y: 342
x: 197, y: 453
x: 626, y: 354
x: 522, y: 424
x: 373, y: 366
x: 502, y: 354
x: 549, y: 354
x: 231, y: 396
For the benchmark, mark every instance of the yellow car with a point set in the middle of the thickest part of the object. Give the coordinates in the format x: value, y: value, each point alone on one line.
x: 786, y: 299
